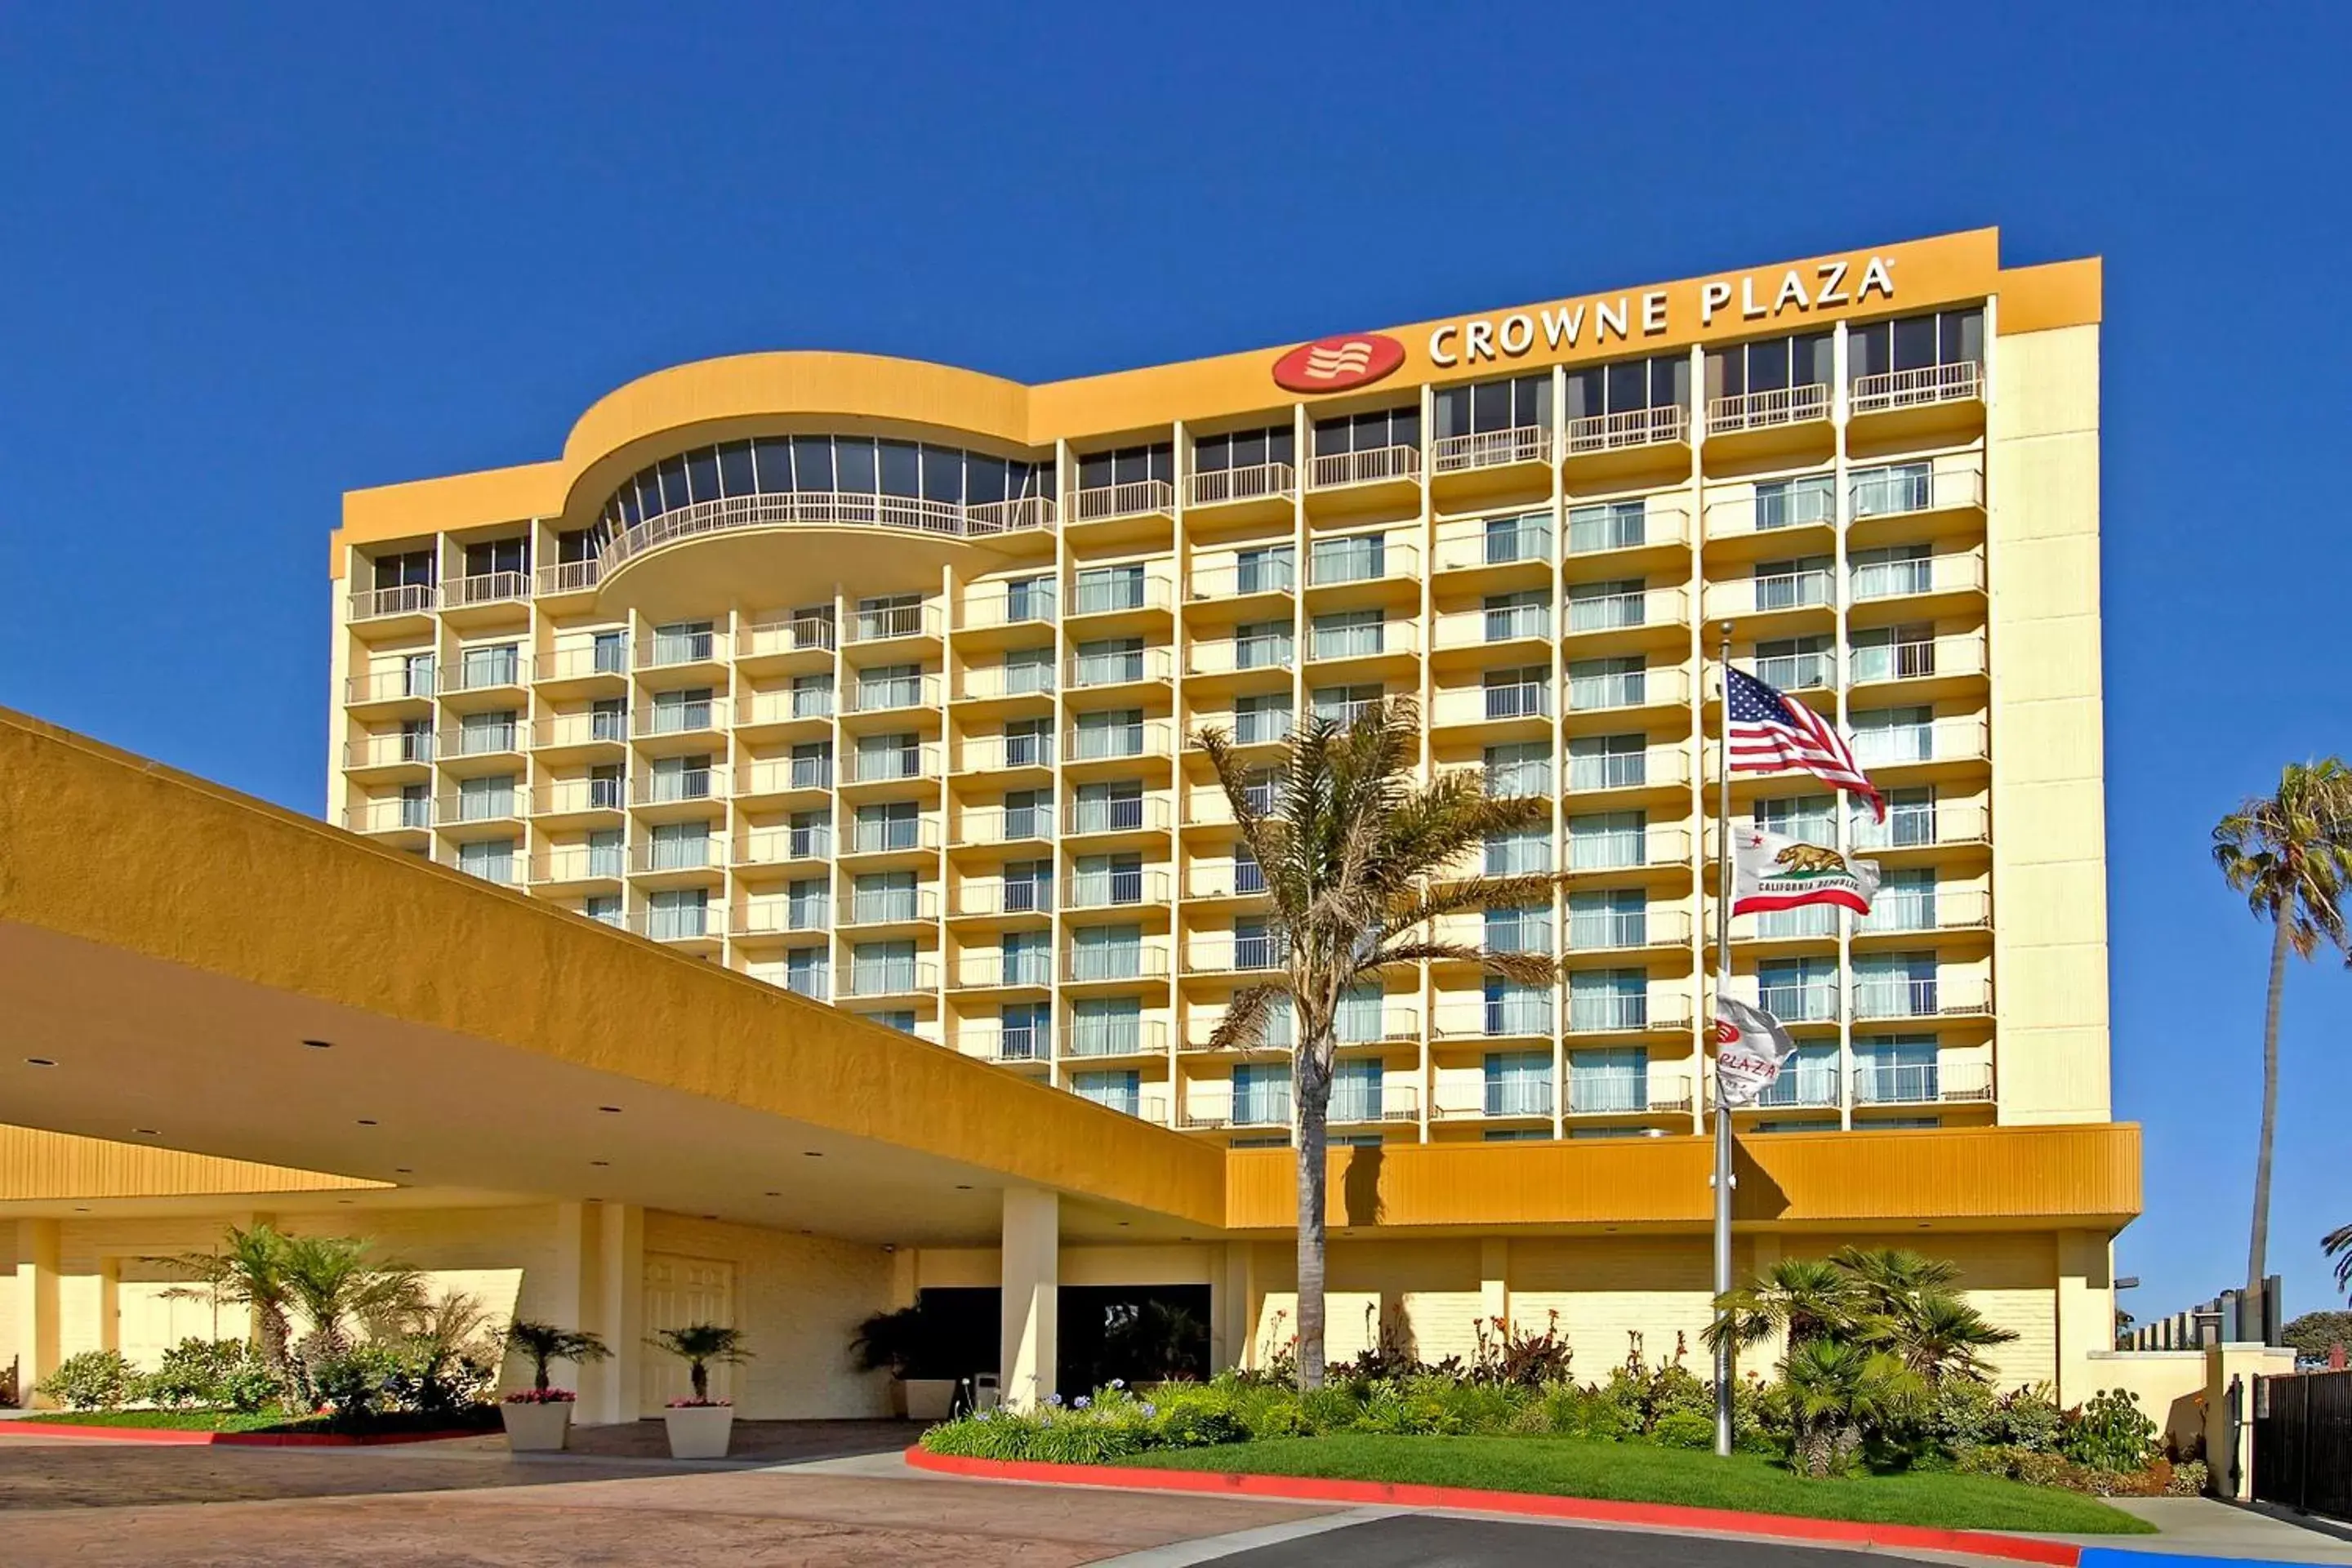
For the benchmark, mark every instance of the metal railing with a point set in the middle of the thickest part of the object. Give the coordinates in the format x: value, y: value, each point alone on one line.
x: 1605, y: 1093
x: 1911, y: 907
x: 889, y: 977
x: 1466, y: 543
x: 1120, y: 592
x: 485, y: 588
x: 1123, y: 667
x: 1962, y: 573
x: 783, y: 846
x: 1235, y: 954
x: 1960, y: 382
x: 1930, y: 996
x: 1082, y: 1037
x: 1633, y: 427
x: 1149, y: 738
x: 503, y: 738
x: 1626, y: 930
x: 1004, y: 604
x: 1333, y: 471
x: 570, y: 797
x: 583, y: 661
x: 1652, y: 523
x: 1898, y: 489
x: 1626, y: 611
x: 679, y: 787
x: 500, y: 668
x: 1651, y: 686
x: 669, y: 650
x: 1629, y: 850
x: 1233, y: 579
x: 1501, y: 1097
x: 568, y: 577
x: 699, y: 853
x: 1357, y: 1102
x: 805, y: 634
x: 1938, y: 740
x: 827, y: 509
x: 891, y: 764
x: 1215, y: 1110
x: 781, y: 917
x: 704, y: 716
x: 1114, y: 961
x: 1022, y: 896
x: 1498, y: 1017
x: 1370, y: 639
x: 1258, y: 481
x: 393, y: 816
x: 1922, y: 1083
x: 1232, y: 656
x: 389, y: 751
x: 577, y: 863
x: 1914, y: 827
x: 1111, y: 889
x: 590, y: 729
x: 1811, y: 1002
x: 1763, y: 511
x: 1361, y: 558
x: 1653, y: 767
x: 1767, y: 410
x: 893, y: 693
x: 893, y: 623
x: 1135, y: 498
x: 1007, y: 680
x: 1490, y: 450
x: 891, y: 835
x: 1807, y: 590
x: 793, y: 706
x: 888, y: 906
x: 390, y: 686
x: 455, y: 807
x: 1029, y: 967
x: 675, y: 922
x: 995, y: 824
x: 404, y: 599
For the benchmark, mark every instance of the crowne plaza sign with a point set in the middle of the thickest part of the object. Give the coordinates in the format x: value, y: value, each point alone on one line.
x: 1788, y: 295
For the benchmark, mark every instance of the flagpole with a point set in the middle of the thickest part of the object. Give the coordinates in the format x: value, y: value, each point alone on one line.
x: 1722, y: 1110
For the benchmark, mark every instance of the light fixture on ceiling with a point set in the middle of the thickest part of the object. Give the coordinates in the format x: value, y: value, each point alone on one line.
x: 367, y: 1120
x: 600, y: 1164
x: 402, y: 1171
x: 771, y: 1194
x: 963, y: 1186
x: 40, y: 1062
x: 321, y: 1045
x: 812, y: 1154
x: 346, y: 1201
x: 146, y: 1133
x: 610, y: 1110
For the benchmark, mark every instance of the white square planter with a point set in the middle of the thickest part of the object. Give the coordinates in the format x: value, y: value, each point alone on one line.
x: 699, y: 1431
x: 926, y: 1398
x: 537, y: 1428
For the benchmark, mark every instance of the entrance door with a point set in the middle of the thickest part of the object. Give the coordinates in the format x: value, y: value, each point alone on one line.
x: 679, y: 1291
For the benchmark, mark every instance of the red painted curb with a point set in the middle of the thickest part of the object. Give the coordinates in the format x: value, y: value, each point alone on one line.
x: 1656, y: 1516
x: 168, y: 1435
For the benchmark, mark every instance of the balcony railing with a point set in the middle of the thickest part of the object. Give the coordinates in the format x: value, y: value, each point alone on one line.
x: 405, y: 599
x: 486, y: 669
x: 1210, y: 1110
x: 1235, y: 954
x: 1627, y: 930
x: 1000, y: 753
x: 1370, y: 640
x: 889, y: 906
x: 652, y: 720
x: 1912, y: 908
x: 1633, y: 427
x: 891, y: 835
x: 1912, y: 828
x: 1232, y: 656
x: 1031, y: 967
x: 701, y: 853
x: 1360, y: 560
x: 1625, y: 1093
x: 892, y: 694
x: 1807, y: 590
x: 1498, y: 1017
x: 495, y: 739
x: 485, y: 588
x: 891, y: 764
x: 1355, y: 1102
x: 1112, y: 889
x: 1335, y: 469
x: 1960, y: 382
x: 783, y: 846
x: 806, y: 702
x: 1937, y: 997
x: 577, y: 863
x: 1955, y: 573
x: 389, y: 751
x: 1114, y: 961
x: 828, y: 509
x: 1499, y: 1097
x: 1022, y: 896
x: 388, y: 815
x: 610, y: 727
x: 676, y: 922
x: 561, y: 797
x: 1008, y: 604
x: 583, y: 661
x: 390, y: 685
x: 1082, y: 1037
x: 781, y: 917
x: 1233, y: 579
x: 1629, y: 849
x: 805, y: 634
x: 1028, y: 679
x: 500, y: 805
x: 1922, y: 1083
x: 1153, y: 665
x: 1466, y: 543
x: 1119, y: 593
x: 1768, y: 510
x: 1814, y: 1001
x: 568, y: 577
x: 1651, y: 686
x: 1151, y: 738
x: 679, y: 786
x: 1136, y: 498
x: 1491, y: 449
x: 994, y: 825
x: 893, y: 623
x: 1654, y: 767
x: 1898, y: 489
x: 889, y: 977
x: 1258, y: 481
x: 1626, y: 611
x: 1939, y: 740
x: 1767, y: 410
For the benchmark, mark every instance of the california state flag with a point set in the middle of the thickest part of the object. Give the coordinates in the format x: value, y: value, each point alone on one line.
x: 1769, y: 872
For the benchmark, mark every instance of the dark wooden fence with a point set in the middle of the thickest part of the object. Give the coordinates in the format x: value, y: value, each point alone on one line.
x: 2302, y: 1442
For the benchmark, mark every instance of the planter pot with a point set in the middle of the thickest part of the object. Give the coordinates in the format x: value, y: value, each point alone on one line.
x: 699, y: 1431
x: 926, y: 1398
x: 537, y: 1428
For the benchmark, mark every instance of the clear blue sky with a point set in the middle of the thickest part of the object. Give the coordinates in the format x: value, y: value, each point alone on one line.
x: 251, y: 256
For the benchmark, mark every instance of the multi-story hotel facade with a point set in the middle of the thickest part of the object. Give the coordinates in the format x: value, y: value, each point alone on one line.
x: 876, y: 681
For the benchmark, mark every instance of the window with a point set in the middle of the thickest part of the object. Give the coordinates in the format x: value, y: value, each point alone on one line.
x: 415, y: 740
x: 415, y: 805
x: 1607, y: 525
x: 496, y: 555
x: 610, y: 653
x: 1107, y: 879
x: 1114, y: 807
x: 1892, y: 490
x: 1523, y: 851
x: 1026, y: 885
x: 1348, y: 634
x: 1120, y: 1092
x: 1797, y: 664
x: 1110, y: 660
x: 679, y: 847
x: 491, y: 859
x: 1798, y: 990
x: 1512, y: 1009
x: 888, y: 826
x: 1607, y: 840
x: 1796, y: 503
x: 1774, y: 364
x: 1915, y: 342
x: 1128, y: 466
x: 893, y: 756
x: 1609, y: 920
x: 1258, y: 942
x: 779, y: 465
x: 1518, y: 769
x: 1527, y: 613
x: 608, y: 718
x: 1343, y: 704
x: 1518, y: 1083
x: 1518, y: 929
x: 1520, y: 691
x: 1361, y: 1019
x: 810, y: 837
x: 1110, y: 733
x: 1607, y: 607
x: 1897, y: 570
x: 1027, y: 957
x: 1609, y: 1081
x: 605, y: 907
x: 1910, y: 821
x: 1244, y: 449
x: 487, y: 799
x: 1352, y: 558
x: 1369, y: 431
x: 1883, y: 735
x: 500, y: 664
x: 805, y: 973
x: 1263, y: 718
x: 1894, y: 653
x: 407, y: 569
x: 1812, y: 1079
x: 1267, y: 569
x: 1029, y: 599
x: 1905, y: 901
x: 1025, y: 1032
x: 1355, y: 1091
x: 416, y: 675
x: 812, y: 697
x: 675, y: 914
x: 677, y: 712
x: 1028, y: 669
x: 884, y: 896
x: 1896, y: 1069
x: 1106, y: 953
x: 1792, y: 584
x: 1608, y: 762
x: 1261, y: 1094
x: 1629, y: 386
x: 1894, y: 985
x: 1029, y: 743
x: 1523, y: 402
x: 804, y: 904
x: 882, y: 968
x: 1597, y: 684
x: 1262, y: 644
x: 1514, y: 539
x: 683, y: 642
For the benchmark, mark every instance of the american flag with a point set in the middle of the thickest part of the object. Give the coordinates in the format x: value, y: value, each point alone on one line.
x: 1770, y: 731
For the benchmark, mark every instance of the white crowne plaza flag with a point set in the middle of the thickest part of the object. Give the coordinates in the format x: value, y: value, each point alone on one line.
x: 1750, y: 1049
x: 1769, y: 872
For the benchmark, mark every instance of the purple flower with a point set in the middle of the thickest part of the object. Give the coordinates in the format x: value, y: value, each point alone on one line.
x: 1053, y: 1399
x: 1080, y: 1403
x: 1149, y: 1409
x: 1119, y: 1383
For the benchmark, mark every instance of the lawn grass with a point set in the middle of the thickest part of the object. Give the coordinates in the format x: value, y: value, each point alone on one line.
x: 272, y: 1421
x: 1640, y: 1472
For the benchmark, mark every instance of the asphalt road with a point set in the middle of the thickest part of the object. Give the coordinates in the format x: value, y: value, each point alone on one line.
x: 1422, y: 1540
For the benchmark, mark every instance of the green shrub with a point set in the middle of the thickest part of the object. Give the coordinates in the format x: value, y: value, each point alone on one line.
x: 1683, y: 1429
x: 211, y: 1373
x: 1983, y: 1459
x: 2108, y: 1432
x: 2037, y: 1468
x: 1196, y: 1426
x: 1328, y: 1409
x: 2188, y: 1479
x: 2026, y: 1418
x: 93, y: 1380
x: 1961, y: 1414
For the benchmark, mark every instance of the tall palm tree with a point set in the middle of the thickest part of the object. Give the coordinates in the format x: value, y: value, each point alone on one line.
x: 1796, y: 1299
x: 2291, y: 854
x: 248, y: 1270
x: 1358, y: 860
x: 340, y: 1282
x: 2337, y: 1244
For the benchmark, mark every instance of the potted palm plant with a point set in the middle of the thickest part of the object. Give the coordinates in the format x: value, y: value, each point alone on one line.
x: 701, y: 1428
x: 539, y: 1418
x: 908, y: 1344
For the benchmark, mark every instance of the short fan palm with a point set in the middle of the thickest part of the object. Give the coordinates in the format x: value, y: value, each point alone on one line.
x: 703, y: 1346
x: 1360, y: 859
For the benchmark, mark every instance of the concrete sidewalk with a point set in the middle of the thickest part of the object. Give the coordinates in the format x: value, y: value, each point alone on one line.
x: 2201, y: 1529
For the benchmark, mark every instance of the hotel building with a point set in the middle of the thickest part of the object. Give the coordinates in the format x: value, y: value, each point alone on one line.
x: 876, y: 681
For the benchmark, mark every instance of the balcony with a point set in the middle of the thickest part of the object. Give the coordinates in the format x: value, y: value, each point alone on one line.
x: 499, y: 870
x: 1922, y: 670
x: 1207, y: 1111
x: 1625, y: 1094
x: 696, y: 723
x: 1911, y: 910
x: 583, y: 667
x: 1135, y: 499
x: 1088, y: 963
x: 1648, y: 849
x: 1476, y: 707
x: 1639, y: 431
x: 1499, y: 1100
x: 1031, y: 969
x: 1118, y: 600
x: 1005, y: 1043
x: 1260, y: 490
x: 692, y: 787
x: 809, y: 639
x: 388, y: 815
x: 1807, y: 595
x: 695, y: 651
x: 500, y: 670
x: 889, y: 977
x: 1800, y: 518
x: 1375, y: 640
x: 1942, y: 495
x: 895, y: 623
x: 566, y: 578
x: 1235, y: 954
x: 1372, y: 558
x: 1664, y: 769
x: 905, y: 835
x: 1207, y: 806
x: 1964, y: 996
x: 1465, y: 465
x: 1923, y: 1083
x: 410, y: 603
x: 1096, y: 1037
x: 1941, y: 825
x: 480, y: 811
x: 1139, y: 667
x: 1223, y: 579
x: 1620, y: 691
x: 1804, y: 1002
x: 1003, y: 753
x: 652, y: 857
x: 393, y: 754
x: 408, y: 687
x: 691, y: 925
x: 891, y: 765
x: 1461, y: 630
x: 1478, y: 544
x: 1628, y: 931
x: 488, y: 588
x: 974, y: 896
x: 1529, y: 1017
x: 480, y: 748
x: 1922, y: 387
x: 780, y: 847
x: 889, y: 907
x: 1661, y: 1012
x: 810, y: 707
x: 1151, y: 738
x: 577, y: 797
x: 987, y: 826
x: 1007, y: 682
x: 1224, y: 879
x: 780, y: 917
x: 894, y: 694
x: 582, y: 733
x: 1114, y: 890
x: 1607, y: 616
x: 828, y: 509
x: 1355, y: 1103
x: 1902, y: 746
x: 1000, y: 607
x: 1959, y: 576
x: 1239, y: 656
x: 1381, y: 473
x: 575, y: 865
x: 1754, y: 414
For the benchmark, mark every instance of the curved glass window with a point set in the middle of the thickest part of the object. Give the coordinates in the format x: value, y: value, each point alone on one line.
x: 774, y: 465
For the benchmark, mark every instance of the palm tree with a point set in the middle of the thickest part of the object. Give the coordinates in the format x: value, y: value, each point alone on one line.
x: 1836, y: 1389
x: 339, y: 1282
x: 248, y: 1271
x: 700, y: 1345
x: 2337, y: 1244
x: 1798, y: 1298
x: 2291, y: 854
x: 1357, y: 862
x: 544, y: 1342
x: 1910, y: 1308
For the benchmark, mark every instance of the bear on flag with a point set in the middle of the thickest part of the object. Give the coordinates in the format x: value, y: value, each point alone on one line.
x: 1771, y: 872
